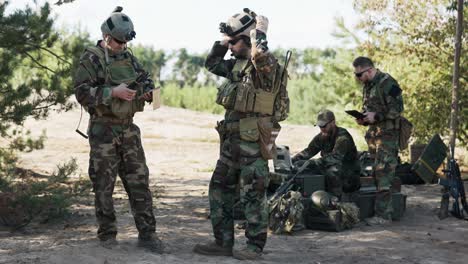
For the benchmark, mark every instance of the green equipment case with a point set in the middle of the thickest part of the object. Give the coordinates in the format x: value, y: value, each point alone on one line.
x: 318, y: 220
x: 431, y: 159
x: 366, y: 203
x: 306, y: 184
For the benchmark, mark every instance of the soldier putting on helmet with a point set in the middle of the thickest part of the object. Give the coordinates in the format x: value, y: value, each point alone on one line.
x: 107, y: 85
x: 255, y: 98
x: 339, y: 159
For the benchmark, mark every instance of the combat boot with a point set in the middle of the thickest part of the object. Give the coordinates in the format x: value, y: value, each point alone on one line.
x: 109, y: 243
x: 212, y: 249
x: 151, y: 243
x: 247, y: 253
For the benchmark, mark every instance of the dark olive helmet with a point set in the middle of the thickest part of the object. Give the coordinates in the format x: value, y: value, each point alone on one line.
x: 119, y: 26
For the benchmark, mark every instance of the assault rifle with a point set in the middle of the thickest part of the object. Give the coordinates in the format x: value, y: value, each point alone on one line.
x: 453, y: 186
x: 287, y: 185
x: 142, y: 77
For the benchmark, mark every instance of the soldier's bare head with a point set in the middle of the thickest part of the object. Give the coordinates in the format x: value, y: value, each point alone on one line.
x: 364, y: 69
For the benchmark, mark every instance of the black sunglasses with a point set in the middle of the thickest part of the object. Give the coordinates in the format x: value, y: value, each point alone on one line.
x: 325, y: 125
x: 119, y: 42
x: 359, y: 74
x: 234, y: 41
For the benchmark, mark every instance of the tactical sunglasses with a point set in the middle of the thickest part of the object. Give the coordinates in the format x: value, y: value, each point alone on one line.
x: 325, y: 124
x: 234, y: 41
x: 119, y: 42
x: 359, y: 74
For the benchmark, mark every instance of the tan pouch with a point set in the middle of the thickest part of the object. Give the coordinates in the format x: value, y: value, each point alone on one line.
x: 264, y: 102
x: 248, y: 129
x: 268, y: 132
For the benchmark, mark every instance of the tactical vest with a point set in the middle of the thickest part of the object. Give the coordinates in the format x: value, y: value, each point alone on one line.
x: 239, y: 93
x: 374, y: 101
x: 373, y: 96
x: 119, y: 71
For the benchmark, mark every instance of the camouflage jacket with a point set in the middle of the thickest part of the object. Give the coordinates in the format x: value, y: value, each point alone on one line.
x: 263, y: 70
x: 337, y: 149
x: 91, y: 89
x: 383, y: 96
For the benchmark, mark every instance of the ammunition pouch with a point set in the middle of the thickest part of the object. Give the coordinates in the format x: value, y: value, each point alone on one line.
x: 248, y: 129
x: 406, y: 129
x: 226, y: 95
x: 117, y: 72
x: 240, y: 94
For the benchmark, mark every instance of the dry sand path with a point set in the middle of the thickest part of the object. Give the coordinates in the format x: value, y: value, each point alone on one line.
x: 181, y: 149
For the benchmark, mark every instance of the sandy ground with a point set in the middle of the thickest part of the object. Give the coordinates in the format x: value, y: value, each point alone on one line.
x: 181, y: 149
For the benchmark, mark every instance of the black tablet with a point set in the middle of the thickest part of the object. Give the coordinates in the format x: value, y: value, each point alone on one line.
x: 355, y: 113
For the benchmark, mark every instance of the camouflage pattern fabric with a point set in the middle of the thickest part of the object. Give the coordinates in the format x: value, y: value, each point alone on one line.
x: 92, y: 90
x: 115, y: 149
x: 338, y: 162
x: 350, y: 214
x: 241, y: 162
x: 286, y: 213
x: 382, y: 136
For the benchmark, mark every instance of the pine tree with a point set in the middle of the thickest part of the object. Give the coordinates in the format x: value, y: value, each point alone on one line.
x: 35, y: 75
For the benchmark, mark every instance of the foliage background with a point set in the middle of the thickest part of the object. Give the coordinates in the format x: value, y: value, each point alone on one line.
x: 411, y: 40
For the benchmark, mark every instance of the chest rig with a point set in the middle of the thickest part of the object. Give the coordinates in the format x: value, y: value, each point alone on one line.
x: 240, y: 93
x: 117, y: 70
x: 373, y: 96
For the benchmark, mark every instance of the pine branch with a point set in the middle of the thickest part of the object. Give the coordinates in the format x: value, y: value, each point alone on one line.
x: 49, y: 51
x: 39, y: 64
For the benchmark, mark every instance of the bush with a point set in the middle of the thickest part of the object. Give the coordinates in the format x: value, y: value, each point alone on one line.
x: 40, y: 197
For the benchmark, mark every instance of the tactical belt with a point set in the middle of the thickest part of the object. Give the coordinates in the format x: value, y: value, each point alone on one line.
x: 111, y: 120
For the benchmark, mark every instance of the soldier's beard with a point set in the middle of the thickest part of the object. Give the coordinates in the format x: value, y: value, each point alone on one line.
x: 241, y: 54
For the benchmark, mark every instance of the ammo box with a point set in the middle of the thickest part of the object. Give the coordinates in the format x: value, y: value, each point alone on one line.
x: 431, y: 159
x: 307, y: 184
x: 367, y: 202
x: 315, y: 219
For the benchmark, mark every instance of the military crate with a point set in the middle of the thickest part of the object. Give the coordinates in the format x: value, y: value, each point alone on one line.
x: 430, y: 160
x: 367, y: 202
x: 317, y: 220
x: 307, y: 184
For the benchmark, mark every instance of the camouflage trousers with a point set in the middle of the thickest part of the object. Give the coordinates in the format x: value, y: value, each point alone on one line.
x: 383, y: 148
x: 117, y: 149
x: 240, y: 166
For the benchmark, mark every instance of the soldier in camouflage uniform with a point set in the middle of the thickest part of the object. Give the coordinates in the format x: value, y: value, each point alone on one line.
x: 102, y: 87
x: 382, y: 107
x: 339, y: 160
x: 247, y: 133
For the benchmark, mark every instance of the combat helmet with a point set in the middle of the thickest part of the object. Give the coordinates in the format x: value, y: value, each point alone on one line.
x: 239, y: 24
x: 324, y: 200
x: 119, y: 26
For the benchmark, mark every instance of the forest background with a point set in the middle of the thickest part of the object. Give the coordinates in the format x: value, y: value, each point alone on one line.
x: 411, y: 40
